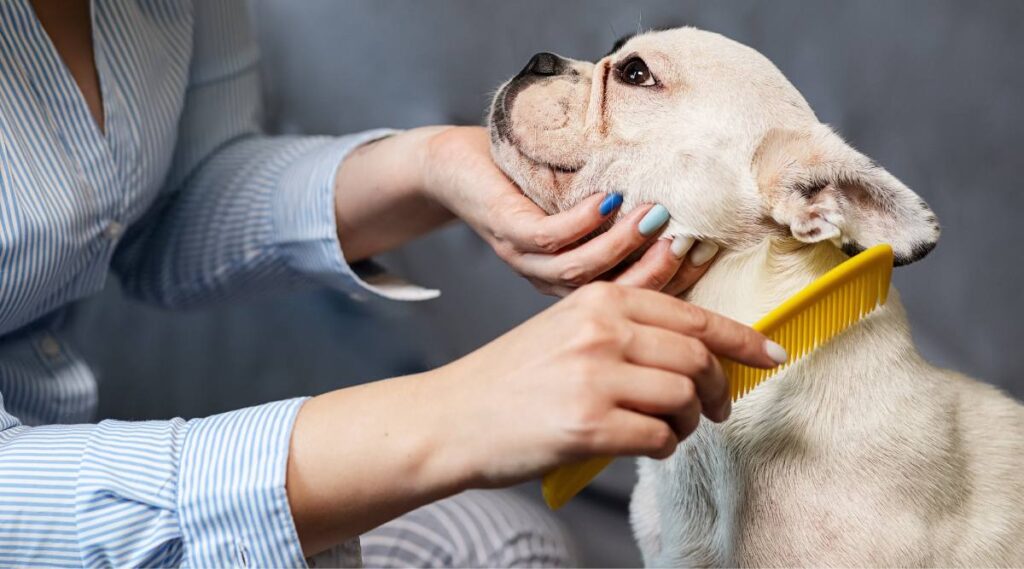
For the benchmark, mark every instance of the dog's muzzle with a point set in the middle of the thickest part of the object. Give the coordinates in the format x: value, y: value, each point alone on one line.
x: 540, y: 66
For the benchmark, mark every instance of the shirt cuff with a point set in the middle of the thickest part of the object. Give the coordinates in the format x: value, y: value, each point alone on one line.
x: 306, y: 229
x: 232, y: 504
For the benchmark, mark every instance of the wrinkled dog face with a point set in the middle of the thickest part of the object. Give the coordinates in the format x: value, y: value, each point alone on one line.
x: 710, y: 129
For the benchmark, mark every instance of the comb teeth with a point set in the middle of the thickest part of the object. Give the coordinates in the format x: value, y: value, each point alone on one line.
x: 817, y: 314
x: 803, y: 322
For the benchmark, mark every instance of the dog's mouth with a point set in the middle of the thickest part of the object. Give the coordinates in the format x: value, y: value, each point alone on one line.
x: 555, y: 167
x: 560, y: 176
x: 502, y: 130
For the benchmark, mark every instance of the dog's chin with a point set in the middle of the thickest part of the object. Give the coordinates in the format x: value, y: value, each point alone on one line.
x: 547, y: 183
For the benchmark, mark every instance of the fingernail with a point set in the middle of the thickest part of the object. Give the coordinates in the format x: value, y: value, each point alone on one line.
x: 703, y: 253
x: 609, y: 203
x: 653, y: 221
x: 680, y: 245
x: 776, y: 352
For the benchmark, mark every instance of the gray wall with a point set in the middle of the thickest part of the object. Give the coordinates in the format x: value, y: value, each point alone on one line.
x: 932, y: 90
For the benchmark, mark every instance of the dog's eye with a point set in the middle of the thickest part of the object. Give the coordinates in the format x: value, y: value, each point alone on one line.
x: 635, y: 72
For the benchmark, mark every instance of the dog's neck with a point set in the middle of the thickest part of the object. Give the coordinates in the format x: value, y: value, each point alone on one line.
x: 746, y: 284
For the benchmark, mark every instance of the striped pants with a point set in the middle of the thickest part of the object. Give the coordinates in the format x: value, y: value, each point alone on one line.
x: 479, y: 528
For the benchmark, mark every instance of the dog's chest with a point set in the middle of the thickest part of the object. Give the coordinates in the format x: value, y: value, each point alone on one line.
x: 811, y: 513
x: 779, y: 485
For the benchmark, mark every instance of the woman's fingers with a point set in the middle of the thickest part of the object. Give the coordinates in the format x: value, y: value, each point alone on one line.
x: 627, y: 432
x: 528, y: 229
x: 723, y: 336
x: 657, y: 268
x: 652, y: 391
x: 682, y: 357
x: 700, y: 257
x: 579, y: 266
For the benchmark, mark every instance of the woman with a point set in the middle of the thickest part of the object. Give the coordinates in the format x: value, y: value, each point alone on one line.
x: 129, y: 142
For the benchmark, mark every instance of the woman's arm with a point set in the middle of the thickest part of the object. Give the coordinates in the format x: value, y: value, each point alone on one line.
x: 203, y: 493
x: 610, y: 370
x: 379, y: 201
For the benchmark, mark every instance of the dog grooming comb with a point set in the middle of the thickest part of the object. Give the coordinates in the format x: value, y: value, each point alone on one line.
x: 808, y: 319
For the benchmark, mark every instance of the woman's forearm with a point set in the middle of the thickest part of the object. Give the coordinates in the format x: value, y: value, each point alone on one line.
x: 364, y: 455
x: 378, y: 197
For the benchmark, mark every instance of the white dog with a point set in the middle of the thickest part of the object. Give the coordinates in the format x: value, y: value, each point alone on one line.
x: 862, y: 453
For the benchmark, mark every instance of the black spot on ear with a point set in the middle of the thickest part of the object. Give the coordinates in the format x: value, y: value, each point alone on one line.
x: 916, y: 253
x: 852, y: 248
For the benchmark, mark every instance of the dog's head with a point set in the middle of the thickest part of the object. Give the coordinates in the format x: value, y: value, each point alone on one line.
x: 710, y: 129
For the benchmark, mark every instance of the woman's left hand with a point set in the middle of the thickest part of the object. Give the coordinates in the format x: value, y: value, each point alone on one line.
x: 459, y: 173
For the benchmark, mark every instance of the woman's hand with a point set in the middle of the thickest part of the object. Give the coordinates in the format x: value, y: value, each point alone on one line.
x: 458, y: 172
x: 610, y: 370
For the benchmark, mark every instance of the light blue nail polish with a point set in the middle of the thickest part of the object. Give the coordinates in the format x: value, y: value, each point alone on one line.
x: 653, y: 221
x: 609, y: 203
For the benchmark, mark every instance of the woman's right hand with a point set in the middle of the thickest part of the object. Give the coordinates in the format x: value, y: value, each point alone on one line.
x: 610, y: 370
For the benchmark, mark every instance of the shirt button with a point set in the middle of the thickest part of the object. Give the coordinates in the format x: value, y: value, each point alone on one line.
x: 113, y: 230
x: 49, y: 346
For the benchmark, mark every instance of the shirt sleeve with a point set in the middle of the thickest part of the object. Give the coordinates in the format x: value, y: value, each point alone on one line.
x: 242, y: 212
x: 201, y: 493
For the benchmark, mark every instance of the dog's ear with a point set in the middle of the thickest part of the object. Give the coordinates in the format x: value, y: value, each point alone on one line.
x: 819, y: 187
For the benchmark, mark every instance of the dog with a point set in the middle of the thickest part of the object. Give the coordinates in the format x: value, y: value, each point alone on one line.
x: 861, y: 454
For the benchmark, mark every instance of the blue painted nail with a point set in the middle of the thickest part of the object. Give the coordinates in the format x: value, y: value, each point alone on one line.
x: 609, y: 203
x: 653, y: 221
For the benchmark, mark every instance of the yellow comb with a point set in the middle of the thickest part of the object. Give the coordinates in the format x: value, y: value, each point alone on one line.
x: 806, y: 320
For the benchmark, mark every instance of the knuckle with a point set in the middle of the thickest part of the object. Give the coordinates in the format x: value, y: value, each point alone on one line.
x: 544, y: 241
x: 574, y: 275
x: 595, y: 331
x: 662, y: 441
x: 703, y: 359
x: 505, y: 249
x: 688, y: 424
x: 697, y: 318
x: 600, y: 294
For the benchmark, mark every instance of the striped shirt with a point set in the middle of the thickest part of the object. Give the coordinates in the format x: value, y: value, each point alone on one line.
x: 188, y: 203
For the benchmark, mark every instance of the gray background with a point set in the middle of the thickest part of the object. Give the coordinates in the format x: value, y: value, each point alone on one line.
x: 931, y: 90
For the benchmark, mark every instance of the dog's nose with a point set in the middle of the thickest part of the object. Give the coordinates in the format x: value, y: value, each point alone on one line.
x: 543, y: 63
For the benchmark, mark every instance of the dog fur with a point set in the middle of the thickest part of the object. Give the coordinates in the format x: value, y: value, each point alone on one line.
x: 862, y: 454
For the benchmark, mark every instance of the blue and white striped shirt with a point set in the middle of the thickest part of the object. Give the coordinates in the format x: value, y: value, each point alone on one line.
x: 188, y: 203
